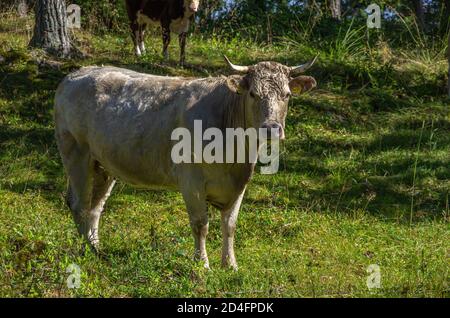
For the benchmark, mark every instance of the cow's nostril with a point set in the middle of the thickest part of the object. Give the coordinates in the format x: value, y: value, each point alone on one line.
x: 273, y: 131
x: 279, y: 131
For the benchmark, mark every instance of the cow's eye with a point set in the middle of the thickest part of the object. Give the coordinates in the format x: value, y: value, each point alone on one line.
x: 288, y: 95
x: 252, y: 94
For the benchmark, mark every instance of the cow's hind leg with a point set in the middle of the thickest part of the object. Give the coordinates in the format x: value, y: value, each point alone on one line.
x: 89, y: 186
x: 229, y: 219
x: 166, y: 42
x: 182, y: 43
x: 80, y: 170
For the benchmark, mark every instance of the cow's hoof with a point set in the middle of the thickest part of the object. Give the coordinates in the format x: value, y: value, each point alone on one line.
x: 93, y: 248
x: 233, y: 267
x: 100, y: 253
x: 87, y: 248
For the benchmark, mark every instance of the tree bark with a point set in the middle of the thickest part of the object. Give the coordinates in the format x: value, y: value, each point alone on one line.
x: 448, y: 57
x: 444, y: 23
x: 335, y: 7
x: 50, y: 31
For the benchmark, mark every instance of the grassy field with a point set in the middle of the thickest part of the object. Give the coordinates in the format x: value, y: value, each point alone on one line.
x: 365, y: 179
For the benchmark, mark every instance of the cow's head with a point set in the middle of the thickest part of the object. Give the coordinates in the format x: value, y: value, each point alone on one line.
x: 191, y: 6
x: 267, y: 87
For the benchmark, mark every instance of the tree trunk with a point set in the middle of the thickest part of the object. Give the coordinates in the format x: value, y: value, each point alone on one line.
x: 448, y: 57
x: 269, y: 29
x: 50, y: 30
x: 418, y: 10
x: 444, y: 23
x: 335, y: 7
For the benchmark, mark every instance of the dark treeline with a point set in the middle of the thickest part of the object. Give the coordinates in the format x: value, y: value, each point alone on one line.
x: 265, y: 20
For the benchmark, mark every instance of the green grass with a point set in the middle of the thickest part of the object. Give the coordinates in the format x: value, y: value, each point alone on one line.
x: 365, y: 179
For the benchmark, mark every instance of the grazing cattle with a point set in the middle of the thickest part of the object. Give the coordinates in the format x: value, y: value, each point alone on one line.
x: 116, y: 123
x: 173, y: 16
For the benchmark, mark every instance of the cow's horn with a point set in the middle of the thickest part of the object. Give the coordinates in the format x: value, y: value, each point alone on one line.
x: 237, y: 68
x: 304, y: 67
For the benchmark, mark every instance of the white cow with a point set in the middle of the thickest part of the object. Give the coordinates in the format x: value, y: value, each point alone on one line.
x: 115, y: 123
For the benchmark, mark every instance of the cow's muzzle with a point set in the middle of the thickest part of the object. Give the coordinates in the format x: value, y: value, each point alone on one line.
x: 273, y: 131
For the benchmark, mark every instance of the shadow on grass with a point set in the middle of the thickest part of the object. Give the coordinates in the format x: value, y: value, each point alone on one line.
x: 391, y: 174
x: 30, y: 161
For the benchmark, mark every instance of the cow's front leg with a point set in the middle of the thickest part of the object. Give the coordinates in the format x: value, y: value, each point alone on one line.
x: 198, y: 216
x: 200, y: 225
x: 135, y: 35
x: 141, y: 38
x: 182, y: 42
x: 229, y: 219
x: 166, y: 42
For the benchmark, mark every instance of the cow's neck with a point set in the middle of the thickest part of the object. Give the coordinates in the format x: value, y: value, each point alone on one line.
x: 234, y: 113
x: 235, y: 117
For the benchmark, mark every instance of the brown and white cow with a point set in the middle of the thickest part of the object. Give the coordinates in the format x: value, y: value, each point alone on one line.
x: 173, y: 16
x: 116, y: 123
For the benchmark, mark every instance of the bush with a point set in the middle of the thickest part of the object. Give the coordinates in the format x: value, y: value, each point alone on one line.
x: 103, y: 16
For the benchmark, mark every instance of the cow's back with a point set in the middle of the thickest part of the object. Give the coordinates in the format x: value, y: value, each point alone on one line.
x: 153, y: 9
x: 125, y: 118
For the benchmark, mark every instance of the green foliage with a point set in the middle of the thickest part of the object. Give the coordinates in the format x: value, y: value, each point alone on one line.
x: 103, y: 16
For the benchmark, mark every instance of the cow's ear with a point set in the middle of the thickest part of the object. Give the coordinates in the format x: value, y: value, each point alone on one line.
x: 302, y: 84
x: 237, y: 84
